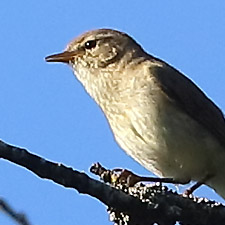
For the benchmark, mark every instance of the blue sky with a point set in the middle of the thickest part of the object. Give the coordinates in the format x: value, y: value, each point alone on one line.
x: 46, y: 110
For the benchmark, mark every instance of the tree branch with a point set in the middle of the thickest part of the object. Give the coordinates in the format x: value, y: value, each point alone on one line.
x: 20, y: 218
x: 138, y: 205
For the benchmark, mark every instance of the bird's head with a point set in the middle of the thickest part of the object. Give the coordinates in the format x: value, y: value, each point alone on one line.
x: 98, y: 56
x: 97, y: 49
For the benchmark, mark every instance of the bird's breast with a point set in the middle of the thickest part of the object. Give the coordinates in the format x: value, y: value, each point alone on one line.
x: 151, y: 129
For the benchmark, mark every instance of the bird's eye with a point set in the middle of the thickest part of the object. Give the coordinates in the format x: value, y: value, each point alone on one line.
x: 90, y: 44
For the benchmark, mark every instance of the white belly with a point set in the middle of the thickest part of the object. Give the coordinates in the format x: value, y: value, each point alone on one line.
x: 167, y: 142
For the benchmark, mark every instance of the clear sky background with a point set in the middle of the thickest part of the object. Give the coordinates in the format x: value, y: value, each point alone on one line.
x: 45, y: 109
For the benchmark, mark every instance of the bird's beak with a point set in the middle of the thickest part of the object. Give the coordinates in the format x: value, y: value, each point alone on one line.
x: 64, y: 57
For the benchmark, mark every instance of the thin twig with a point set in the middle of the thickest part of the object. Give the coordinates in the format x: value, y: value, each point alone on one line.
x: 20, y: 218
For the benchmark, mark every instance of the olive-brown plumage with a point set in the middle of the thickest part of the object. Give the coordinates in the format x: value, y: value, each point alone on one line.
x: 158, y: 116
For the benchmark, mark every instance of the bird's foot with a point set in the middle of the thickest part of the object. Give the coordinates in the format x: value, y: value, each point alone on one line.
x: 128, y: 177
x: 190, y: 190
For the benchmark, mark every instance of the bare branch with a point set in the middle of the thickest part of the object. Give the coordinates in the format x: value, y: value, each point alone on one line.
x: 20, y: 218
x: 138, y: 205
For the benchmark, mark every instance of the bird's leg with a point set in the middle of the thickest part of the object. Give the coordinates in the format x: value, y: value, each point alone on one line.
x: 190, y: 190
x: 131, y: 179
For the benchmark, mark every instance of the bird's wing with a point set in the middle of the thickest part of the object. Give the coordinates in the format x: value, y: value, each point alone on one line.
x: 189, y: 98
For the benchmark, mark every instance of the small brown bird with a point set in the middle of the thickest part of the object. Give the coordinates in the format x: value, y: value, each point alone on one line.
x: 158, y: 116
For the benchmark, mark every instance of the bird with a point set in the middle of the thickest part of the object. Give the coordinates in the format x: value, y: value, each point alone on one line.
x: 158, y: 116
